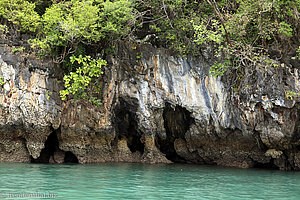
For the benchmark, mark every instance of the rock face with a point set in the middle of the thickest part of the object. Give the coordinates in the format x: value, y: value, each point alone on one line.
x: 157, y: 108
x: 28, y: 113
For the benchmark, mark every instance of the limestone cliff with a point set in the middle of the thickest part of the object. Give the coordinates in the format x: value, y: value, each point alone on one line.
x: 157, y: 108
x: 27, y: 116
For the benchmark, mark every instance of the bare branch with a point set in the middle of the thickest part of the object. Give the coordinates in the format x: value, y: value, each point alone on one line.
x: 164, y: 6
x: 214, y: 6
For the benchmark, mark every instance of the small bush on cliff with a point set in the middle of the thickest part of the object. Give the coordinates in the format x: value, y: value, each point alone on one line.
x: 84, y: 83
x: 2, y: 81
x: 21, y: 13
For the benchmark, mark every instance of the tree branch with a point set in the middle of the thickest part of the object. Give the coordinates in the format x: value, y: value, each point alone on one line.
x: 220, y: 18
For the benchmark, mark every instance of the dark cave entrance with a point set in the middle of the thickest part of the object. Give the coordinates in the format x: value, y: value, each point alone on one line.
x: 127, y: 126
x: 52, y: 146
x: 177, y: 121
x: 70, y: 158
x: 269, y: 165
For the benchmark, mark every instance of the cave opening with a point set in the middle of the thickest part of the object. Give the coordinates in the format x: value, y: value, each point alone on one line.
x: 47, y: 154
x: 177, y: 121
x: 127, y: 126
x: 269, y: 165
x: 51, y: 145
x: 70, y: 157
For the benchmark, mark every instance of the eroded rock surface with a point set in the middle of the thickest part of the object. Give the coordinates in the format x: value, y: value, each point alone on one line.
x: 30, y: 107
x: 157, y: 108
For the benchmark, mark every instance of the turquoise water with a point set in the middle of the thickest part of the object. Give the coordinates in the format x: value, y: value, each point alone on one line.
x: 139, y: 181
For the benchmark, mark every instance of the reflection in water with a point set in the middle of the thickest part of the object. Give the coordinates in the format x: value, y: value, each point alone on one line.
x: 139, y: 181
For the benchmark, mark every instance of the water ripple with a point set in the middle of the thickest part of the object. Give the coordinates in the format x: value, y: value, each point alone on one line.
x: 139, y: 181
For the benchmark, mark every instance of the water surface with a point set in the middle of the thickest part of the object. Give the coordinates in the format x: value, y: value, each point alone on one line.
x: 140, y: 181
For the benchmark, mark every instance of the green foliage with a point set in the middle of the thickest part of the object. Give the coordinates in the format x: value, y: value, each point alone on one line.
x: 260, y: 21
x: 178, y: 24
x: 21, y: 13
x: 139, y: 56
x: 84, y: 82
x: 204, y: 35
x: 292, y: 95
x: 17, y: 49
x: 3, y: 29
x: 253, y: 26
x: 63, y: 25
x: 298, y: 53
x: 285, y: 29
x: 2, y: 81
x: 66, y: 24
x: 171, y: 22
x: 70, y: 23
x: 65, y: 29
x: 48, y: 94
x: 116, y: 15
x: 219, y: 69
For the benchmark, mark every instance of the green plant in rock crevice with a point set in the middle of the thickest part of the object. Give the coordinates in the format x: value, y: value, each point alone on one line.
x: 17, y: 49
x: 292, y: 95
x: 2, y: 81
x: 84, y: 82
x: 48, y: 94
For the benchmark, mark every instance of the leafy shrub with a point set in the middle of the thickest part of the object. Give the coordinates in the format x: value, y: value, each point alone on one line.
x: 70, y: 23
x: 84, y: 82
x: 21, y: 13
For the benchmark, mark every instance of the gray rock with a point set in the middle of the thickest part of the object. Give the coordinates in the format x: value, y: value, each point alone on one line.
x: 159, y: 109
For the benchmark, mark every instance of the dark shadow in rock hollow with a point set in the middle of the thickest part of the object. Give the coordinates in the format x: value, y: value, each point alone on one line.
x: 51, y: 145
x: 177, y: 122
x: 125, y: 121
x: 70, y: 158
x: 269, y: 165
